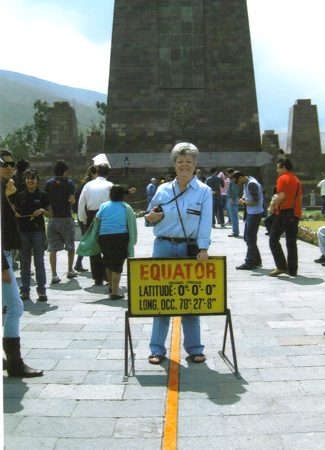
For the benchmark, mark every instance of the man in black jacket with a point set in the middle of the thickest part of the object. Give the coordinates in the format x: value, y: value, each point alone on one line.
x: 10, y: 239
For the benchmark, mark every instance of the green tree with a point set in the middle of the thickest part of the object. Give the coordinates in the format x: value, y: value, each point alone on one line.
x: 102, y: 110
x: 30, y: 139
x: 21, y: 142
x: 40, y: 124
x: 81, y: 141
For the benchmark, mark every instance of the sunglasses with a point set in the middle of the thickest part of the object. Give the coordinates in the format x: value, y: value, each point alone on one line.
x: 4, y: 164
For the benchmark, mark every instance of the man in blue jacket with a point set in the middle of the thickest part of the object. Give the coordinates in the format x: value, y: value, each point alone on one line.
x: 253, y: 200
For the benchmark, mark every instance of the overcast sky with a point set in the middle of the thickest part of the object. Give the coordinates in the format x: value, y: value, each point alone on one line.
x: 68, y: 42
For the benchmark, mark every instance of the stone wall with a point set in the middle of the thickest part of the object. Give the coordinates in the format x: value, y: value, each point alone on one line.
x: 61, y: 134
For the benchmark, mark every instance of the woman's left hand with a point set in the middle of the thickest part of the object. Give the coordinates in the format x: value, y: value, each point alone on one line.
x: 38, y: 212
x: 203, y: 255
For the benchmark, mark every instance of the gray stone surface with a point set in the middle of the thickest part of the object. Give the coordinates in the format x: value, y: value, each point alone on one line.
x: 185, y: 73
x: 83, y: 403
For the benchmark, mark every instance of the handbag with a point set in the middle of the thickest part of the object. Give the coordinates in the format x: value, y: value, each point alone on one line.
x: 288, y: 214
x: 192, y: 247
x: 88, y: 245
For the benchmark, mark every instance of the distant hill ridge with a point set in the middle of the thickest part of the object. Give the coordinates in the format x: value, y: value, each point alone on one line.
x: 18, y: 93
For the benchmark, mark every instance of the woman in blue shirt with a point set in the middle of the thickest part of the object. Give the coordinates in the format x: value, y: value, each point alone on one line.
x: 195, y: 206
x: 117, y: 236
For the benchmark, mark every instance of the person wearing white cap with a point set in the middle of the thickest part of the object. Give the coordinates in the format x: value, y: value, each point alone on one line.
x: 151, y: 189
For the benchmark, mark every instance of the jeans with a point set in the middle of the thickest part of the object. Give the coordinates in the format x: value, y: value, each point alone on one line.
x: 323, y: 204
x: 225, y: 204
x: 33, y: 241
x: 191, y: 324
x: 233, y: 216
x: 12, y: 300
x: 253, y: 257
x: 268, y: 221
x: 218, y: 210
x: 291, y: 230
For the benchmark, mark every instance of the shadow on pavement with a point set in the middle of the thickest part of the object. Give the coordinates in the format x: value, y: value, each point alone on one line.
x: 71, y: 285
x: 14, y: 390
x: 221, y: 389
x: 38, y: 308
x: 123, y: 303
x: 299, y: 279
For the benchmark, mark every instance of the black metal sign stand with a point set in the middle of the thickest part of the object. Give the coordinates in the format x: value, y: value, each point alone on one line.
x: 129, y: 362
x: 128, y: 340
x: 233, y: 366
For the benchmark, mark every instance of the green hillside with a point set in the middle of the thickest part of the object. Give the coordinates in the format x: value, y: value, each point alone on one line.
x: 19, y: 92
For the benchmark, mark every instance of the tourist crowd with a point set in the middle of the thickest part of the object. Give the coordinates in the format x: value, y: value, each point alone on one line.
x: 182, y: 208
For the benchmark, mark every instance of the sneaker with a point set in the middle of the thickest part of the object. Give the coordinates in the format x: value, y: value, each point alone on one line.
x: 72, y: 274
x: 55, y: 279
x: 24, y: 296
x: 80, y: 269
x: 42, y: 298
x: 320, y: 260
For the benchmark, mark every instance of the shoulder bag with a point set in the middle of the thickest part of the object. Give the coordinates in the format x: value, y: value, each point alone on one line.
x: 88, y: 245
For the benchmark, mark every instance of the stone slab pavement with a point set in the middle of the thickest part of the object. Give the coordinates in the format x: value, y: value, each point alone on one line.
x: 82, y: 402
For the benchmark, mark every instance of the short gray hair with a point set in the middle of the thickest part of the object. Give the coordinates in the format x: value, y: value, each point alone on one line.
x: 185, y: 148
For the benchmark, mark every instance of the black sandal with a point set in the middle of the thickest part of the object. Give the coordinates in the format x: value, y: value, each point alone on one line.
x: 195, y: 355
x: 117, y: 296
x: 159, y: 358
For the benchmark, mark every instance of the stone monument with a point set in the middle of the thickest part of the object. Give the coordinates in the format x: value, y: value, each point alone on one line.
x: 304, y: 148
x: 303, y: 130
x: 181, y: 70
x: 61, y: 134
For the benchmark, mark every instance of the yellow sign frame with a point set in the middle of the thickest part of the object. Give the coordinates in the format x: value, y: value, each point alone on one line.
x: 177, y: 286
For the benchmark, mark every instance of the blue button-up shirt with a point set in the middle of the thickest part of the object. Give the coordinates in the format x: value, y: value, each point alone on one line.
x: 195, y: 206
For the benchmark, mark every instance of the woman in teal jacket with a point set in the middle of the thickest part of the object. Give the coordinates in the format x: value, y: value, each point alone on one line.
x: 117, y: 236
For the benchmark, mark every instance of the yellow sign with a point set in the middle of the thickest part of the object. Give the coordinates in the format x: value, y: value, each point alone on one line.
x: 177, y: 286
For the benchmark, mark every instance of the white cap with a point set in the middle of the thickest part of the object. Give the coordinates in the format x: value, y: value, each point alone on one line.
x: 101, y: 159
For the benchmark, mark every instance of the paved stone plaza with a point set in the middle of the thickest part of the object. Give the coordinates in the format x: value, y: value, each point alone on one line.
x: 82, y: 403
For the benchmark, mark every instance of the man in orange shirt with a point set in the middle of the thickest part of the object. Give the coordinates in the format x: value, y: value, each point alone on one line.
x: 288, y: 211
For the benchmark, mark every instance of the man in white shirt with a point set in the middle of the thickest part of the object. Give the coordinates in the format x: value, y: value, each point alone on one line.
x: 321, y: 185
x: 92, y: 196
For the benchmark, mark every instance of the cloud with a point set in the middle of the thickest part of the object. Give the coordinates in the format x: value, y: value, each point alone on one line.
x: 44, y: 43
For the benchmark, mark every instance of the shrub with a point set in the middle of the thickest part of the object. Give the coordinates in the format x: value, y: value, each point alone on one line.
x: 307, y: 235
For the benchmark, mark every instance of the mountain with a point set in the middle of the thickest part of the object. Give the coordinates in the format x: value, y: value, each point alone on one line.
x: 18, y: 93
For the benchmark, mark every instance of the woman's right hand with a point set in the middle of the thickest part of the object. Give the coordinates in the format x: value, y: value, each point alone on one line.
x: 6, y: 277
x: 153, y: 216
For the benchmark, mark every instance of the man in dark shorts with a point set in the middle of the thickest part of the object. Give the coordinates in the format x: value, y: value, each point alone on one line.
x: 60, y: 230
